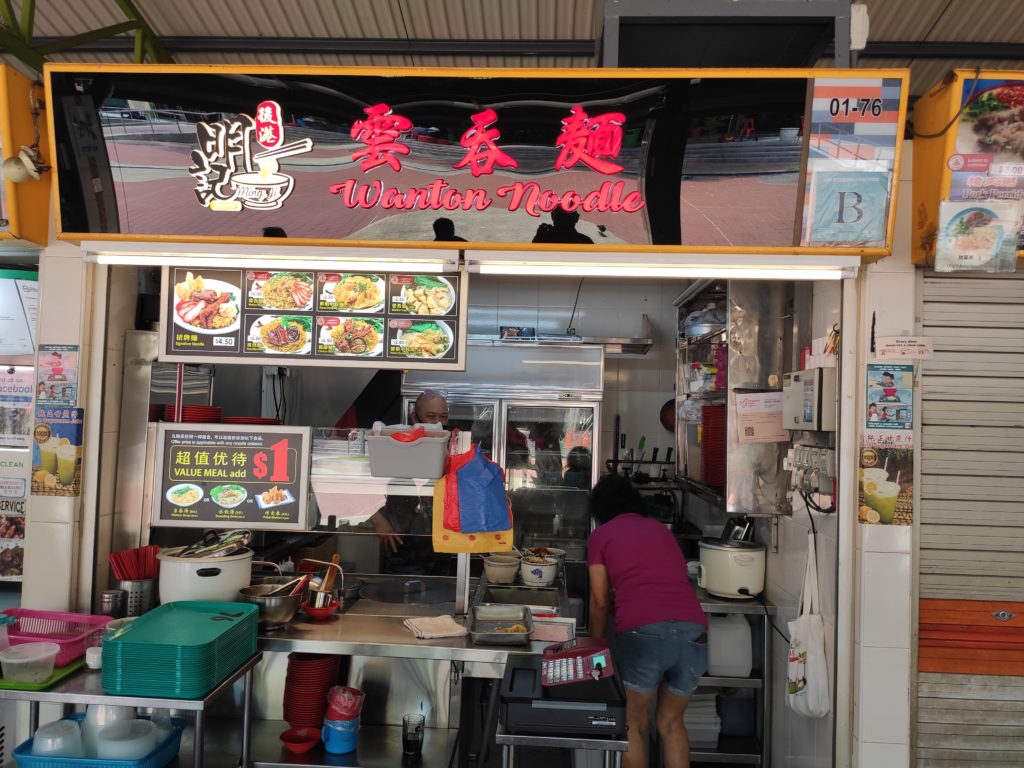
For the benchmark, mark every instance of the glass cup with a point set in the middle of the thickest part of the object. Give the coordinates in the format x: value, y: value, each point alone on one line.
x: 412, y: 734
x: 882, y: 499
x: 48, y: 455
x: 67, y: 463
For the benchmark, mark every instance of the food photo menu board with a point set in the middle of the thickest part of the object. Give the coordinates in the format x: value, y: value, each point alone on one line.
x: 232, y: 477
x: 364, y: 319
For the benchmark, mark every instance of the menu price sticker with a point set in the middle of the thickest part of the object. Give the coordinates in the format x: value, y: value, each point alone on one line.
x: 233, y: 475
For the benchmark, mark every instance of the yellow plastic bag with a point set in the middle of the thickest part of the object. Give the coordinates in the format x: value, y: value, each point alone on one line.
x: 452, y: 541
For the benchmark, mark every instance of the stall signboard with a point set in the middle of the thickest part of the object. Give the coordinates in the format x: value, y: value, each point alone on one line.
x: 969, y: 172
x: 232, y: 476
x: 667, y: 160
x: 312, y: 317
x: 24, y: 206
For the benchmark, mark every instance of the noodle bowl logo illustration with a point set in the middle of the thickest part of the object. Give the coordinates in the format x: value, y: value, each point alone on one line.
x: 230, y: 175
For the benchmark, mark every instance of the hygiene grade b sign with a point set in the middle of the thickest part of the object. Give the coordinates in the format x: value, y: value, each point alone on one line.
x: 232, y: 476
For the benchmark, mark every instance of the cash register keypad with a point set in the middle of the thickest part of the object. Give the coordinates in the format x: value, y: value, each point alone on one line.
x: 566, y: 670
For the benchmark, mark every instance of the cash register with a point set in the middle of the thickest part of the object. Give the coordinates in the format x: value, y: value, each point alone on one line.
x: 571, y: 689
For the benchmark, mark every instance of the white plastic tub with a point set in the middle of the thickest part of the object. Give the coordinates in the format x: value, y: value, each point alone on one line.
x: 730, y: 646
x: 29, y: 662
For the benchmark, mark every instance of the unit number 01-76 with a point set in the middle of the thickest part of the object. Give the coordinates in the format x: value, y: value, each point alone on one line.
x: 845, y: 107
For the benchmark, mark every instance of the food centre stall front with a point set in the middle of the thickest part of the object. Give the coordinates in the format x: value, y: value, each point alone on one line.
x: 333, y: 219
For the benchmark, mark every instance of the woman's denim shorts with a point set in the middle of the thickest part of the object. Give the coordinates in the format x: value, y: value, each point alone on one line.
x: 673, y: 651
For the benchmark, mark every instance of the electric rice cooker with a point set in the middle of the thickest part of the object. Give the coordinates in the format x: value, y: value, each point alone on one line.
x: 732, y: 568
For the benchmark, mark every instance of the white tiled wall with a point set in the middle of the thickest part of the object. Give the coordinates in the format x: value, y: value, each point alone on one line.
x: 796, y: 740
x: 635, y: 386
x: 882, y: 642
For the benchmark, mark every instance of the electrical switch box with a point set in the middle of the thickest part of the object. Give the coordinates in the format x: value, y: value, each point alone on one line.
x: 809, y: 400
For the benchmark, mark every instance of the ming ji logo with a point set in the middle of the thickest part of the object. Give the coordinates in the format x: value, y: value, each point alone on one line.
x: 231, y: 174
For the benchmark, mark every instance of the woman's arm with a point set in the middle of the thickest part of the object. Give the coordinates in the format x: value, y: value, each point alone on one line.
x: 599, y: 600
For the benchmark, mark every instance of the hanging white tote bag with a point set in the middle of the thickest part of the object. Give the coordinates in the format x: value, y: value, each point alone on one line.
x: 807, y: 674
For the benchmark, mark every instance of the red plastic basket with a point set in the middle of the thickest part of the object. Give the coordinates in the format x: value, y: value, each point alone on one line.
x: 73, y: 632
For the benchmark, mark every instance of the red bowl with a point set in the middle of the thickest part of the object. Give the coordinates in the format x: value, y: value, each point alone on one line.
x: 300, y: 740
x: 320, y: 614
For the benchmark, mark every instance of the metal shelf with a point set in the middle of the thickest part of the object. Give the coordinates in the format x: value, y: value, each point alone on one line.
x: 730, y: 682
x: 741, y: 750
x: 380, y: 746
x: 706, y: 492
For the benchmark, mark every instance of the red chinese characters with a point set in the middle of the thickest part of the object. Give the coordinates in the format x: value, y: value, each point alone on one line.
x: 269, y: 128
x: 380, y: 132
x: 588, y: 140
x: 482, y: 152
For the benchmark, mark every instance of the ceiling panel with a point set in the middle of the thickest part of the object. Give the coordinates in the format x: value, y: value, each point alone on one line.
x: 905, y: 20
x: 988, y: 21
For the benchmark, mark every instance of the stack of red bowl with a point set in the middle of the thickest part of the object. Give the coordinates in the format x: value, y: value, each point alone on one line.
x: 204, y: 414
x: 249, y: 420
x: 310, y: 677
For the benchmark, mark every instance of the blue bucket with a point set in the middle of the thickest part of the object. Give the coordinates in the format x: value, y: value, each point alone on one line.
x: 339, y: 736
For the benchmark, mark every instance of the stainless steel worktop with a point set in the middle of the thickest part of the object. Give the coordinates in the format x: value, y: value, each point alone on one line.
x: 363, y: 635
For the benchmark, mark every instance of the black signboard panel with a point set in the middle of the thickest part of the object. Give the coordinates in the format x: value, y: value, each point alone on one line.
x: 368, y: 319
x: 213, y: 475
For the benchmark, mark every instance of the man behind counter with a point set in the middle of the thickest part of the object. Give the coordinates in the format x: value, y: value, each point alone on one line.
x: 411, y: 514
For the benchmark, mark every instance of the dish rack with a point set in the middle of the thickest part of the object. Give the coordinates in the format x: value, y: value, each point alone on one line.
x: 161, y: 755
x: 73, y: 632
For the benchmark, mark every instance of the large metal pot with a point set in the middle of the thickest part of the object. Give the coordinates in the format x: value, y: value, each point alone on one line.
x: 275, y: 611
x: 215, y: 579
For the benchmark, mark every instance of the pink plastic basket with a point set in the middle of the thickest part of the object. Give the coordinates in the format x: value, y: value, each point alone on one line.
x: 73, y: 632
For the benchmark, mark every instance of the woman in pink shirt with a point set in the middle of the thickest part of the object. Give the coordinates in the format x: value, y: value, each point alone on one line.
x: 660, y: 645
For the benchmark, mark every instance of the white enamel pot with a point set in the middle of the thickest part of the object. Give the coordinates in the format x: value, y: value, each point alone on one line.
x: 215, y: 579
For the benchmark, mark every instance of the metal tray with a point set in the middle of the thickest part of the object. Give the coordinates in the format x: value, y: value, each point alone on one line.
x: 486, y: 619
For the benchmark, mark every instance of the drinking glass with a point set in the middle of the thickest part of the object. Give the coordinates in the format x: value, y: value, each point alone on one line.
x: 412, y: 734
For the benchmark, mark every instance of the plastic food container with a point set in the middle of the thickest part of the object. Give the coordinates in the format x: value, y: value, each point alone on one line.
x: 29, y: 662
x: 423, y: 458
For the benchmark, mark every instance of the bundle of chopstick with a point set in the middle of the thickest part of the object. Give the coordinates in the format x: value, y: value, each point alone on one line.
x: 134, y: 564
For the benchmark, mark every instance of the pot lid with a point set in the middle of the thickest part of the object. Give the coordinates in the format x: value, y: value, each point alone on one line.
x: 731, y: 544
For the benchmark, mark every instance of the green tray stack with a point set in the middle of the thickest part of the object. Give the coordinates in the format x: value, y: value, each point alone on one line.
x: 180, y: 650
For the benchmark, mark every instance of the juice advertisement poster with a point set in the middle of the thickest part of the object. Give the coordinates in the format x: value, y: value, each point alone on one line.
x: 886, y: 486
x: 57, y: 452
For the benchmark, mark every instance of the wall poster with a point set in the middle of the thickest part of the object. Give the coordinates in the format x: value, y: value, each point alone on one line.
x: 886, y: 494
x: 232, y: 477
x: 358, y: 319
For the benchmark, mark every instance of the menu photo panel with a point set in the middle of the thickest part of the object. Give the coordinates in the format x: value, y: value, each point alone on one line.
x: 370, y: 319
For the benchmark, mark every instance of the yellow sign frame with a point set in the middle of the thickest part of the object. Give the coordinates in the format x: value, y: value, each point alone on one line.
x: 867, y: 254
x: 938, y: 112
x: 28, y: 203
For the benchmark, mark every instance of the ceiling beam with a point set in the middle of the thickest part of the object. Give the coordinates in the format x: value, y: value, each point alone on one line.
x: 381, y: 46
x: 934, y: 49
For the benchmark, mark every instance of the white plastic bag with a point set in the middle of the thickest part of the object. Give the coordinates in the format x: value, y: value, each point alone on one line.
x: 807, y: 672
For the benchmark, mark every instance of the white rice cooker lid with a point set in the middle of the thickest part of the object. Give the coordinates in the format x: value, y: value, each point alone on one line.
x: 732, y: 545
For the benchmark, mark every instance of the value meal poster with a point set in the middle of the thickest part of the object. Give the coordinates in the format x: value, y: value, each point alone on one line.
x: 311, y: 317
x: 232, y: 476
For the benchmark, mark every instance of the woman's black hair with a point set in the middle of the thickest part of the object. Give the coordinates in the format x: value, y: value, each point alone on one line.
x: 615, y: 495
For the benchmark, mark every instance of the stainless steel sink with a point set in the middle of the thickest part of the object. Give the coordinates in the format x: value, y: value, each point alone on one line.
x: 547, y: 597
